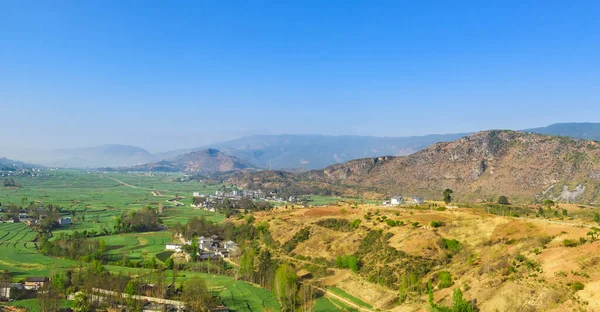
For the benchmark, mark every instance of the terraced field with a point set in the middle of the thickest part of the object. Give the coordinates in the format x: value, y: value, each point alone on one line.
x: 136, y: 246
x: 19, y: 255
x: 241, y: 296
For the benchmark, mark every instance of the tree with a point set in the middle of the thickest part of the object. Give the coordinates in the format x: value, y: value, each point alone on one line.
x: 285, y: 287
x: 48, y: 299
x: 131, y: 291
x: 246, y: 268
x: 265, y: 265
x: 169, y: 263
x: 548, y: 203
x: 503, y: 200
x: 307, y: 295
x: 597, y: 217
x: 448, y: 196
x: 81, y: 304
x: 196, y: 295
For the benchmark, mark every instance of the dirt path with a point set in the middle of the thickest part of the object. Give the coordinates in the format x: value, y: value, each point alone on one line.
x: 125, y: 184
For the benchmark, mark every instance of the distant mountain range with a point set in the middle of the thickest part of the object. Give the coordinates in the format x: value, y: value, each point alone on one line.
x: 293, y: 152
x: 482, y: 166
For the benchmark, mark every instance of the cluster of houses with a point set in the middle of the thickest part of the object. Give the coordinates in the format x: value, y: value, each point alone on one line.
x: 400, y: 200
x: 7, y: 290
x: 33, y: 172
x: 212, y: 247
x: 209, y: 201
x: 32, y: 220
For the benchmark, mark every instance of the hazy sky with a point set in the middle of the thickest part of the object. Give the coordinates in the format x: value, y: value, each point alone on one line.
x: 172, y: 74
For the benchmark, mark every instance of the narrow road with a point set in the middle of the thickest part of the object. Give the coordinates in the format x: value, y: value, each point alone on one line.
x: 125, y: 184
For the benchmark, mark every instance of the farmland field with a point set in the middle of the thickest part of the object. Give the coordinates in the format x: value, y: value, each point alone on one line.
x: 94, y: 201
x: 345, y: 295
x: 19, y: 255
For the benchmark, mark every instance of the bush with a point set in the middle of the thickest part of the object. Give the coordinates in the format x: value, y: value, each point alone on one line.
x: 503, y: 200
x: 570, y: 243
x: 577, y: 286
x: 437, y: 224
x: 451, y: 245
x: 299, y: 237
x: 445, y: 279
x: 347, y: 262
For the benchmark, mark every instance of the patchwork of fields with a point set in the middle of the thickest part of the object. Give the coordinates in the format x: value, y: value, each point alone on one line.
x: 94, y: 201
x: 19, y: 255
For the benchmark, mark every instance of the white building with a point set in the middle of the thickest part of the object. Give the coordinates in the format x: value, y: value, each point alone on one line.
x: 396, y: 200
x: 174, y: 247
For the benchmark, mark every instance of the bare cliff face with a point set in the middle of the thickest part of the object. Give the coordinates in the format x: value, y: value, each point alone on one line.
x: 523, y: 166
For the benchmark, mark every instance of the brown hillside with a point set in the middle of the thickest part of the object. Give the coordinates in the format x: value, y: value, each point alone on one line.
x: 205, y: 161
x: 484, y: 165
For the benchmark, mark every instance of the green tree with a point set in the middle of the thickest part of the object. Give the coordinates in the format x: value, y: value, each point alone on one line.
x: 597, y: 217
x: 131, y: 291
x: 286, y: 286
x: 196, y: 295
x: 503, y: 200
x: 246, y: 268
x: 548, y: 203
x: 265, y: 267
x: 448, y: 196
x: 81, y: 303
x: 169, y: 263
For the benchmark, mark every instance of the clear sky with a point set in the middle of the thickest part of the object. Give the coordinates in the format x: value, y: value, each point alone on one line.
x: 173, y: 74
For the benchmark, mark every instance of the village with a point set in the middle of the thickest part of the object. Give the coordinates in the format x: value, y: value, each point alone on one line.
x: 214, y: 202
x: 209, y: 248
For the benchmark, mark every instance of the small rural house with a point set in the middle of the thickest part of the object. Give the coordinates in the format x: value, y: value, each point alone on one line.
x: 174, y: 247
x: 64, y: 221
x: 396, y: 200
x: 418, y: 200
x: 6, y: 289
x: 35, y: 283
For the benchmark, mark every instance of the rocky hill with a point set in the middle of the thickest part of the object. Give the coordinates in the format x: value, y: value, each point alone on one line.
x: 205, y: 161
x: 523, y: 166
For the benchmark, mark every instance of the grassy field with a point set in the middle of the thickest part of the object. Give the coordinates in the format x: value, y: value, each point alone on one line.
x: 33, y: 305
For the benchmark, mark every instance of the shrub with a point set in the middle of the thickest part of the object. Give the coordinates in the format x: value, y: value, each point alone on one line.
x: 347, y: 262
x: 570, y: 243
x: 451, y: 245
x: 445, y: 279
x: 503, y: 200
x: 437, y: 224
x: 577, y: 286
x: 299, y: 237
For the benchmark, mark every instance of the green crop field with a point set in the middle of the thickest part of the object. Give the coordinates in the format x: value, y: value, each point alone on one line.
x: 136, y: 246
x: 19, y: 255
x: 344, y: 294
x: 324, y: 305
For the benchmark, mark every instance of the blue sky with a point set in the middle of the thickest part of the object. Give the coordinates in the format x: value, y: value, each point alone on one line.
x: 173, y: 74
